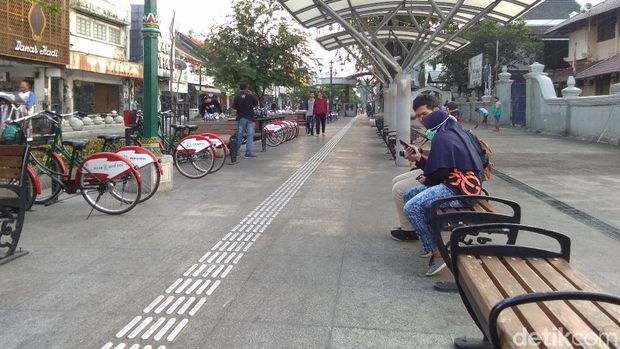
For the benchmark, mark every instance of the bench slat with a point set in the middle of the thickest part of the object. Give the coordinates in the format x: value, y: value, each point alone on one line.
x: 535, y: 318
x: 12, y: 150
x: 11, y: 161
x: 585, y: 284
x: 486, y: 295
x: 8, y: 172
x: 485, y: 205
x: 570, y: 319
x: 588, y: 310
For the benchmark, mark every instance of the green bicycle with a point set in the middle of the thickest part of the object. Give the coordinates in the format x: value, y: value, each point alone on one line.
x: 108, y: 182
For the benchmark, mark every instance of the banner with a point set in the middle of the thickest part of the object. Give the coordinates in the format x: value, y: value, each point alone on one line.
x: 475, y: 71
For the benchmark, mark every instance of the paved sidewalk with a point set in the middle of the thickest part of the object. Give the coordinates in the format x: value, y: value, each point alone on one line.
x: 289, y: 250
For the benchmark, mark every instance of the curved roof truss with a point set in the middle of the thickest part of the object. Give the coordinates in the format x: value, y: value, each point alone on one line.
x: 428, y: 19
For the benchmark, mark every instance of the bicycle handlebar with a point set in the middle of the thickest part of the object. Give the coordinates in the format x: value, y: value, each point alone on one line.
x: 45, y: 113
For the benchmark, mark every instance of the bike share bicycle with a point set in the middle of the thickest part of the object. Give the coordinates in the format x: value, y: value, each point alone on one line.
x: 109, y: 182
x: 193, y: 155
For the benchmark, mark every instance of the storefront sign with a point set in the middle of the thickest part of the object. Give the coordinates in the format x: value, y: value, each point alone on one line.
x: 102, y: 65
x: 32, y: 33
x: 43, y: 51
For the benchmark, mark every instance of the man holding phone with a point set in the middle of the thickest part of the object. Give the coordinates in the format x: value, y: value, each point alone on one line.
x: 422, y: 105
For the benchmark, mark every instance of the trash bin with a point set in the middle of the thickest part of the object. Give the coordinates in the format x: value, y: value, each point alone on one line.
x: 129, y: 117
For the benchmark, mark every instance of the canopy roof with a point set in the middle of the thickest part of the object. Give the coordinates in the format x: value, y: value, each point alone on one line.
x: 310, y: 15
x: 434, y: 25
x: 396, y: 34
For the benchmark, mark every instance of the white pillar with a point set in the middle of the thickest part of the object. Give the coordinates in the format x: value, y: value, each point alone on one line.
x: 504, y: 93
x: 403, y: 113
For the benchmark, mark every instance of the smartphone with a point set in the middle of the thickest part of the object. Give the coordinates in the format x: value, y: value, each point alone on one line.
x: 404, y: 144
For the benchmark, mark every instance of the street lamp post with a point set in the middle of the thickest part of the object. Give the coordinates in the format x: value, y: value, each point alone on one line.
x: 150, y: 31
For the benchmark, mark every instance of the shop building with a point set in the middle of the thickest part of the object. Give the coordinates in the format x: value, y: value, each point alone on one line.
x: 34, y: 47
x: 100, y: 78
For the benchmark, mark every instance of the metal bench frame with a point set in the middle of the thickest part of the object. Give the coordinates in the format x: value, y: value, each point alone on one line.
x: 462, y: 244
x: 13, y: 211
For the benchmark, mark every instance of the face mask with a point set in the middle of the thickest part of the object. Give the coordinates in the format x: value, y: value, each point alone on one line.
x: 430, y: 134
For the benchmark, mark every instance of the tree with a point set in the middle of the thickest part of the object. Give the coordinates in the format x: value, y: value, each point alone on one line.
x: 258, y: 47
x: 516, y: 46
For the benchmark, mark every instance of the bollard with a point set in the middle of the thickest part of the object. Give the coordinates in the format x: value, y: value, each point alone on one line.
x: 232, y: 145
x: 128, y: 134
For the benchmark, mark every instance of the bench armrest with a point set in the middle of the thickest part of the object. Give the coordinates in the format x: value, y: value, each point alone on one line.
x: 458, y: 239
x: 440, y: 221
x: 541, y: 297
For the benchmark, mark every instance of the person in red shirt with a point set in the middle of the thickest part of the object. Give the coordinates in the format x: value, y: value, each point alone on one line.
x: 320, y: 113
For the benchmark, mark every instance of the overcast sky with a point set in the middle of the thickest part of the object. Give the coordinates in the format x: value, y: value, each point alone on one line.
x: 200, y: 16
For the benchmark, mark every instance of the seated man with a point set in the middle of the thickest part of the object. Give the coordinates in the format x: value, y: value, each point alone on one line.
x: 405, y: 181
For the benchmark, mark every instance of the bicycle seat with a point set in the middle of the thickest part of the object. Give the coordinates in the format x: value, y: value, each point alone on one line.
x: 109, y: 138
x: 192, y: 127
x: 77, y: 145
x: 177, y: 127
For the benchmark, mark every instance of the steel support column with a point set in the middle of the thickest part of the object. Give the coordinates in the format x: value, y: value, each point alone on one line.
x: 403, y: 112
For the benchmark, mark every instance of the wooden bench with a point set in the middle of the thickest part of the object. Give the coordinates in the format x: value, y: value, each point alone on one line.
x: 475, y: 210
x: 525, y: 296
x: 13, y: 199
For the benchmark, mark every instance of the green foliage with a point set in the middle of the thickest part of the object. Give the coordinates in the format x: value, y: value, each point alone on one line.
x: 516, y: 46
x: 258, y: 47
x: 52, y: 6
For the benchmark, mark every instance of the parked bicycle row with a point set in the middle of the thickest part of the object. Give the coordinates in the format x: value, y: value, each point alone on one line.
x: 115, y: 177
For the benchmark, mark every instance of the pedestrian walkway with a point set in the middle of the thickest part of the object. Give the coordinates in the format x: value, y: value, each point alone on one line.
x: 289, y: 250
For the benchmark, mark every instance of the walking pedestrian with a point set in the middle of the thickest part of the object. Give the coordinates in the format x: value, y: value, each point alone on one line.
x: 309, y: 106
x: 320, y: 113
x: 244, y: 104
x: 497, y: 112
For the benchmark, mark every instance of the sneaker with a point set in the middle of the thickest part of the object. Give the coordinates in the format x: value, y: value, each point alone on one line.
x: 403, y: 235
x: 250, y: 156
x: 435, y: 265
x: 424, y: 254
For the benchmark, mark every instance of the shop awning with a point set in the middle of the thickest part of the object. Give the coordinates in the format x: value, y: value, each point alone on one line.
x: 212, y: 90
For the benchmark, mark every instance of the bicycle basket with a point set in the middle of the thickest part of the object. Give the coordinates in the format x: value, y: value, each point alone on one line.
x: 42, y: 125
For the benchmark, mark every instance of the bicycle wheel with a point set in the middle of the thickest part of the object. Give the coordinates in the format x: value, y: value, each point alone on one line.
x: 193, y: 157
x: 148, y: 167
x: 274, y: 138
x: 220, y: 151
x: 113, y: 193
x: 31, y: 190
x: 151, y: 176
x: 49, y: 171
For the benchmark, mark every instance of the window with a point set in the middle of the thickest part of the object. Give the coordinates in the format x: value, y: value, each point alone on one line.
x: 115, y: 36
x: 83, y: 26
x: 100, y: 31
x: 606, y: 27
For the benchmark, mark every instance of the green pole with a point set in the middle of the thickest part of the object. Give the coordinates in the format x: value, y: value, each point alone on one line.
x: 150, y: 31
